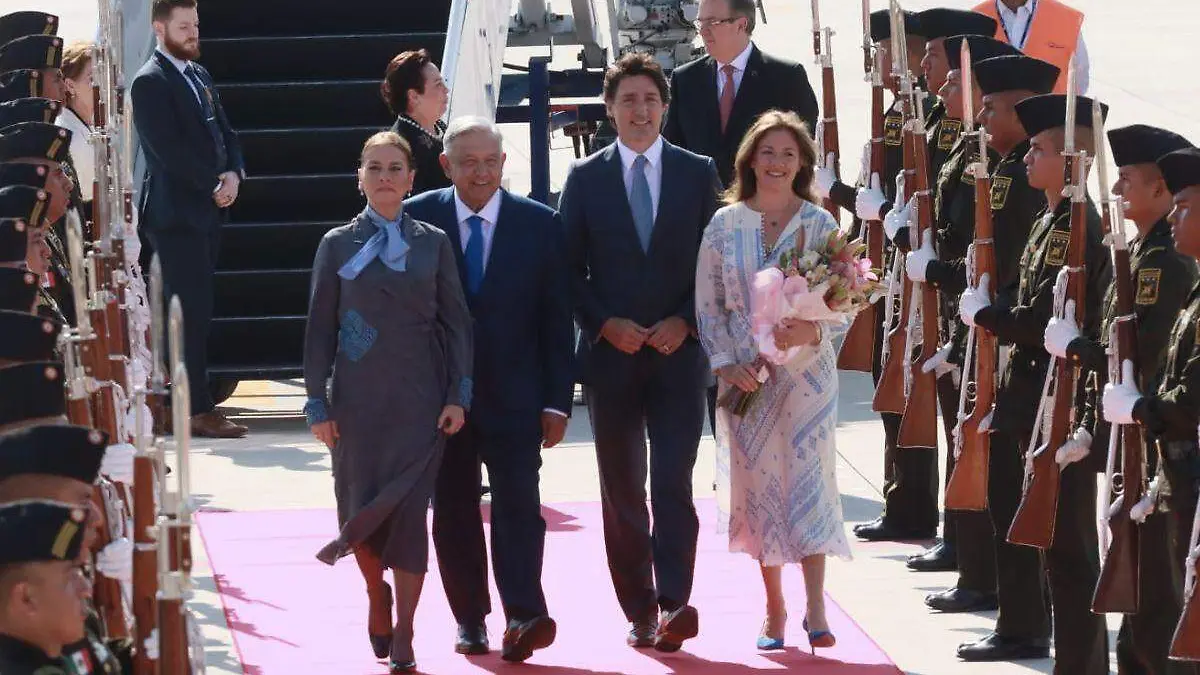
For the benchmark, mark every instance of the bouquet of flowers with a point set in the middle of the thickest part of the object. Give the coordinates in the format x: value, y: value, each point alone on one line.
x: 831, y: 282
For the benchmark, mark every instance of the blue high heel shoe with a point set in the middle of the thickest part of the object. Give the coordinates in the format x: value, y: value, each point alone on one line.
x: 768, y: 643
x: 819, y: 638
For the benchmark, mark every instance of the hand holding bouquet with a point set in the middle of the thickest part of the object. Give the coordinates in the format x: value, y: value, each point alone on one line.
x: 828, y: 283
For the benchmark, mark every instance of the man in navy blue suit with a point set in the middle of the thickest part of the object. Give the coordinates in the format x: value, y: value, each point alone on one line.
x: 635, y: 213
x: 512, y: 257
x: 193, y: 171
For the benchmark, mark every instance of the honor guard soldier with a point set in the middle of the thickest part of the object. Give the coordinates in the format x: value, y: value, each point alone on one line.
x: 42, y: 589
x: 43, y: 400
x: 42, y: 53
x: 967, y: 544
x: 1162, y: 279
x: 20, y: 24
x: 1170, y: 411
x: 1019, y: 318
x: 61, y: 463
x: 27, y: 337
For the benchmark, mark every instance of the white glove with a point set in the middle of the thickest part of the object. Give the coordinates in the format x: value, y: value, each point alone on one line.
x: 1060, y: 332
x: 151, y: 645
x: 899, y: 217
x: 985, y: 424
x: 824, y: 177
x: 1076, y: 448
x: 1145, y: 505
x: 915, y: 262
x: 1119, y: 399
x: 115, y: 561
x: 118, y: 462
x: 147, y: 420
x: 869, y: 201
x: 937, y: 362
x: 972, y: 300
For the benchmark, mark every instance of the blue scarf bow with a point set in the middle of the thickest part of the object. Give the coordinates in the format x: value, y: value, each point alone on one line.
x: 387, y: 244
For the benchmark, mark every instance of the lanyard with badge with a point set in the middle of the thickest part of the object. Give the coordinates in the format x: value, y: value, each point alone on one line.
x: 1028, y: 24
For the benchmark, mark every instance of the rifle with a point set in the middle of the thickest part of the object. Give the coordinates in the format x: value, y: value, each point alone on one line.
x: 1033, y: 524
x: 890, y: 391
x: 180, y: 652
x: 1185, y: 645
x: 1117, y: 588
x: 967, y: 488
x: 858, y: 347
x: 918, y: 427
x: 828, y: 141
x: 145, y: 511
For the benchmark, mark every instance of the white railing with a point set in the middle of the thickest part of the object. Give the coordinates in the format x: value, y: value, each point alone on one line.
x: 474, y: 56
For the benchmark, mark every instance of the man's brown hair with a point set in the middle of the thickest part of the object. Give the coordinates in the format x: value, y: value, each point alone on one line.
x: 632, y: 65
x: 161, y: 9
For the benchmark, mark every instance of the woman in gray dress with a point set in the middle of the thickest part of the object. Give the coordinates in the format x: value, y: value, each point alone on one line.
x: 388, y: 321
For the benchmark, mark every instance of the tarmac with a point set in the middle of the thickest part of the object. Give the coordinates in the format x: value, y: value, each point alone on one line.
x: 1137, y: 52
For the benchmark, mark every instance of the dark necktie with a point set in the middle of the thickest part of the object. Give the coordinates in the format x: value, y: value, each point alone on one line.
x: 206, y: 109
x: 473, y: 255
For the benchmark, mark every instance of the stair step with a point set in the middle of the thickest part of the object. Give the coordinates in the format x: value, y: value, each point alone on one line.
x: 323, y: 57
x: 271, y: 342
x: 283, y: 105
x: 297, y: 199
x: 300, y: 151
x: 262, y: 293
x: 246, y: 246
x: 236, y: 18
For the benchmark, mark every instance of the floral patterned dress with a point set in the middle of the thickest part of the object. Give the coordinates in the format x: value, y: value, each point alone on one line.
x: 777, y: 489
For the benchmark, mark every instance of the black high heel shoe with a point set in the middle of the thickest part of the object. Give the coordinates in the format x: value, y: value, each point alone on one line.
x: 382, y: 644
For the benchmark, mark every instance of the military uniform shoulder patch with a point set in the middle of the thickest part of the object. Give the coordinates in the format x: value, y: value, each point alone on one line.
x: 1056, y: 247
x: 1147, y: 286
x: 948, y: 134
x: 1000, y: 186
x: 893, y: 130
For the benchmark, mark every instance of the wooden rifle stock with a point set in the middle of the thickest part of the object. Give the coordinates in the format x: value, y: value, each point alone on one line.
x: 858, y: 347
x: 967, y: 488
x: 1185, y: 645
x: 829, y: 141
x: 889, y: 390
x: 918, y: 427
x: 1117, y: 590
x: 1033, y: 524
x: 106, y: 592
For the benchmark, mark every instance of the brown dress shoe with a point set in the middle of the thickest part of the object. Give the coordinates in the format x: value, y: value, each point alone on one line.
x: 675, y: 627
x: 213, y: 424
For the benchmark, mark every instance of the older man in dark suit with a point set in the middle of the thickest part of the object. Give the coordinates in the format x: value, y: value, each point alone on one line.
x: 194, y: 167
x: 716, y: 98
x: 635, y: 212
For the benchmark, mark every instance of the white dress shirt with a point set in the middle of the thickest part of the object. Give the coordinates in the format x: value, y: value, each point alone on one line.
x: 1016, y: 25
x: 739, y: 69
x: 490, y: 213
x: 653, y: 169
x: 82, y: 156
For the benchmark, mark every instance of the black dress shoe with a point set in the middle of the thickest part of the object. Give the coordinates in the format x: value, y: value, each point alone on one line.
x: 523, y: 637
x: 958, y: 600
x: 998, y: 648
x: 472, y: 639
x: 873, y: 523
x: 937, y: 558
x: 676, y: 626
x: 641, y: 633
x: 882, y: 531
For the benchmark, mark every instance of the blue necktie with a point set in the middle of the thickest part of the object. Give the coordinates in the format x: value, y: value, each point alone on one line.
x: 206, y: 109
x: 473, y: 256
x: 641, y: 203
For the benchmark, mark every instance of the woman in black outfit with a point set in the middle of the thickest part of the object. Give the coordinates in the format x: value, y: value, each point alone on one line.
x: 415, y: 92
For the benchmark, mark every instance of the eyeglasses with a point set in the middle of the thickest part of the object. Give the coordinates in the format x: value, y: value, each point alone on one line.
x: 709, y: 23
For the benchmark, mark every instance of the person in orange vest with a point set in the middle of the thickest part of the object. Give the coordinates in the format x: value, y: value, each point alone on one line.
x: 1044, y: 29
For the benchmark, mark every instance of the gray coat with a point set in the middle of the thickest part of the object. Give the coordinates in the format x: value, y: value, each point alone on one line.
x: 398, y: 348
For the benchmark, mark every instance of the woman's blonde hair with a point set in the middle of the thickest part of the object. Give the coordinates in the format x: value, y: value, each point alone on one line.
x: 745, y: 184
x: 392, y: 139
x: 75, y: 58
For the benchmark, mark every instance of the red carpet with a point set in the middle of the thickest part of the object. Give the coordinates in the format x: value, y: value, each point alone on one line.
x: 291, y: 614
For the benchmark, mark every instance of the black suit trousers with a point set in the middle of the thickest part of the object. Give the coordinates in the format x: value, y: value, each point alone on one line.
x: 651, y: 565
x: 969, y: 533
x: 189, y: 262
x: 518, y: 531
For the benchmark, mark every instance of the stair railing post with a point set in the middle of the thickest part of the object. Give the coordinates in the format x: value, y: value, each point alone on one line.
x: 539, y: 128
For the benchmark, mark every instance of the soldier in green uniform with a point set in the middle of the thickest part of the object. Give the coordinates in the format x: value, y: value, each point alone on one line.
x: 61, y: 463
x: 954, y: 216
x: 1162, y: 279
x: 1019, y: 318
x: 1170, y: 412
x: 42, y: 589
